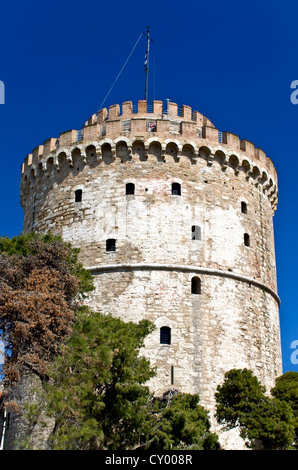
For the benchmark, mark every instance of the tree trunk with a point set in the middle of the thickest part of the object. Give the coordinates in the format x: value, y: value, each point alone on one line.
x: 27, y: 430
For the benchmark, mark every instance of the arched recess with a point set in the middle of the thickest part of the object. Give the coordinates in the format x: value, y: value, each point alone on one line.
x: 63, y: 160
x: 155, y: 150
x: 255, y: 173
x: 172, y: 150
x: 91, y: 155
x: 263, y: 177
x: 122, y: 151
x: 25, y: 186
x: 270, y: 184
x: 25, y: 189
x: 245, y: 166
x: 50, y: 164
x: 107, y: 154
x: 234, y: 162
x: 204, y: 152
x: 188, y: 151
x: 39, y: 169
x: 220, y: 158
x: 32, y: 174
x: 77, y: 160
x: 138, y: 150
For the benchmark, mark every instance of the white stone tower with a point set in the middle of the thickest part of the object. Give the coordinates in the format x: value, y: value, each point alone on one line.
x: 174, y: 219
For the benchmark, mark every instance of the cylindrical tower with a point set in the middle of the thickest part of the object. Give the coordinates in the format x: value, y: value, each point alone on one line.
x: 174, y: 219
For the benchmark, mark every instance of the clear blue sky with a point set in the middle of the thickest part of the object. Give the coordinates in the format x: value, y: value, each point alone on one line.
x: 232, y: 60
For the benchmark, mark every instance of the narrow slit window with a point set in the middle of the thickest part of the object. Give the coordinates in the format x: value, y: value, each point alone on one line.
x: 176, y: 189
x: 196, y: 285
x: 243, y: 207
x: 165, y: 335
x: 129, y: 189
x: 78, y: 195
x: 111, y: 244
x: 172, y: 375
x: 195, y: 232
x: 246, y: 239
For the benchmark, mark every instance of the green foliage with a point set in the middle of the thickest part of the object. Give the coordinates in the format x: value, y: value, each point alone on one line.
x: 90, y: 365
x: 98, y: 397
x: 286, y: 389
x: 96, y: 392
x: 237, y: 397
x: 42, y: 246
x: 271, y: 423
x: 179, y: 422
x: 241, y: 401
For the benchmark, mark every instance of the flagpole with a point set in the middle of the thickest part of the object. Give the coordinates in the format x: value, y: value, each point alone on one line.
x: 147, y: 64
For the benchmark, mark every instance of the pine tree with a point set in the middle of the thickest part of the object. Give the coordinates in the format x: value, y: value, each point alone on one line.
x: 100, y: 400
x: 286, y: 389
x: 97, y: 392
x: 178, y: 422
x: 241, y: 401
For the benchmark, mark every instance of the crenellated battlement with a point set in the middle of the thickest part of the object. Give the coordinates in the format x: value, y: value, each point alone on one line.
x: 123, y: 133
x: 143, y: 109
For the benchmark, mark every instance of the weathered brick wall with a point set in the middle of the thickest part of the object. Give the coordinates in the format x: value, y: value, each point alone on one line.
x: 234, y: 321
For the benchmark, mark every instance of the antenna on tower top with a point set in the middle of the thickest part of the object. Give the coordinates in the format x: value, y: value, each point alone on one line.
x: 146, y: 62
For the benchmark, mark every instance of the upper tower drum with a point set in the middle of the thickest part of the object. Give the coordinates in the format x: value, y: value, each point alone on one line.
x: 174, y: 219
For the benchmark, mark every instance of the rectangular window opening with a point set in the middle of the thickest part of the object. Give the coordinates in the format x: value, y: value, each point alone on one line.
x: 111, y: 244
x: 165, y: 335
x: 195, y: 232
x: 129, y: 189
x: 243, y: 207
x: 246, y: 239
x: 176, y: 189
x: 78, y: 195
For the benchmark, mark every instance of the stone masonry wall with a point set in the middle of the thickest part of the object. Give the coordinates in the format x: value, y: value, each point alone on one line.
x: 228, y: 191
